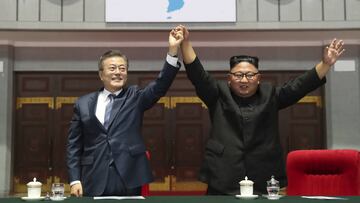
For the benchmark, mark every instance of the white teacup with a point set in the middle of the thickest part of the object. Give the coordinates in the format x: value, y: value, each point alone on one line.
x: 246, y: 187
x: 34, y: 189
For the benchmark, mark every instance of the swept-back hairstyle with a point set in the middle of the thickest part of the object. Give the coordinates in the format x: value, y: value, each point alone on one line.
x: 234, y: 60
x: 109, y: 54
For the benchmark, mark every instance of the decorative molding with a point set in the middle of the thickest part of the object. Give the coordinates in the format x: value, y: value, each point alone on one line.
x: 64, y: 100
x: 20, y: 101
x: 187, y: 185
x: 165, y: 101
x: 186, y: 100
x: 312, y: 99
x: 170, y: 184
x: 161, y: 186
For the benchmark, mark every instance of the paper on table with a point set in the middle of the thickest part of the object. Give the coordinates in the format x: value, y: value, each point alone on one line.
x: 119, y: 197
x: 324, y: 197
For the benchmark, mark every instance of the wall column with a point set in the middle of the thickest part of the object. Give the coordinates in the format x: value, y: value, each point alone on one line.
x: 6, y: 117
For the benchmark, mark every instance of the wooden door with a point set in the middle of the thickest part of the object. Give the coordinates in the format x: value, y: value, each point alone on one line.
x: 44, y: 106
x: 184, y: 121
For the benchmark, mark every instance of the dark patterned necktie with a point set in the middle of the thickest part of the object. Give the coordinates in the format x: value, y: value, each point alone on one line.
x: 108, y: 110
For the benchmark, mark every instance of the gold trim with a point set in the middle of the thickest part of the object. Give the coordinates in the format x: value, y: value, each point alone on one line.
x: 34, y: 100
x: 187, y: 185
x: 165, y: 101
x: 312, y: 99
x: 64, y: 100
x: 190, y: 100
x: 161, y: 186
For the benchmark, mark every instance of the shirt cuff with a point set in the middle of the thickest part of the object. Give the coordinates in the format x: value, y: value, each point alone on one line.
x: 74, y: 182
x: 172, y: 60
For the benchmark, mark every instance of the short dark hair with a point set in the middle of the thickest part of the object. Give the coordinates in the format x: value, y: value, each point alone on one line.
x: 109, y: 54
x: 234, y: 60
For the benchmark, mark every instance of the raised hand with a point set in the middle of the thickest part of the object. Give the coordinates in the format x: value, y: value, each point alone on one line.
x: 184, y: 31
x: 333, y: 52
x: 175, y: 37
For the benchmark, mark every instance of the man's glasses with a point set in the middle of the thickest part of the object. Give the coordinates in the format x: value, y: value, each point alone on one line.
x: 248, y: 75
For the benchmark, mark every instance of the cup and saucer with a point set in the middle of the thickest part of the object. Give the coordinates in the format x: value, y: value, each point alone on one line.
x: 57, y: 190
x: 273, y: 197
x: 33, y: 191
x: 246, y: 189
x: 246, y: 196
x: 33, y: 198
x: 57, y: 198
x: 273, y: 188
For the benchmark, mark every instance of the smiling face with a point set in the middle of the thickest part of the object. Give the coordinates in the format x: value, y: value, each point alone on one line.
x: 242, y: 85
x: 113, y: 73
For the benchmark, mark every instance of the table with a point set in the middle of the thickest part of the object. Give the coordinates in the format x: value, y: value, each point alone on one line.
x: 193, y: 199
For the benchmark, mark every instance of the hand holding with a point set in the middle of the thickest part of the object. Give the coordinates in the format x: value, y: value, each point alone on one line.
x: 175, y: 37
x: 184, y: 30
x: 333, y: 52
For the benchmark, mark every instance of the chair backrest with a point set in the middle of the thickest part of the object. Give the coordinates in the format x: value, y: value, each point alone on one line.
x: 323, y: 172
x: 145, y: 189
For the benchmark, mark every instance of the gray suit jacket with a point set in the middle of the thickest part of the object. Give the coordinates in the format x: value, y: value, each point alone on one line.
x: 91, y: 147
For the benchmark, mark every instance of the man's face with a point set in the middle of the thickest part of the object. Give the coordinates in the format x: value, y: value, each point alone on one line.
x: 114, y: 73
x: 244, y: 79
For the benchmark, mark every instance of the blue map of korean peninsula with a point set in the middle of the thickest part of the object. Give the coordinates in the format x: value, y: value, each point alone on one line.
x: 175, y: 5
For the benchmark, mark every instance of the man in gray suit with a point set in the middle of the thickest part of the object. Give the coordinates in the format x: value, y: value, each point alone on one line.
x: 105, y: 150
x: 244, y: 138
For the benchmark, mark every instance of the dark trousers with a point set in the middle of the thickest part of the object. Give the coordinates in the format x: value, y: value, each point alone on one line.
x: 116, y: 187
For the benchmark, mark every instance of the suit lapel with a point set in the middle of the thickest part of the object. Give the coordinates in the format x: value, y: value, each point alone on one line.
x: 92, y: 109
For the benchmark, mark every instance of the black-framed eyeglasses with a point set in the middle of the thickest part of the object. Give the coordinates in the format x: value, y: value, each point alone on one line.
x: 248, y: 75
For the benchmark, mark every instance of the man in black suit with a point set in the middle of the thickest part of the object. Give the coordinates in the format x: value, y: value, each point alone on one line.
x: 244, y: 138
x: 105, y: 150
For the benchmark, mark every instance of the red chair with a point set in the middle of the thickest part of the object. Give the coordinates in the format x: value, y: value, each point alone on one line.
x: 145, y: 189
x: 323, y: 172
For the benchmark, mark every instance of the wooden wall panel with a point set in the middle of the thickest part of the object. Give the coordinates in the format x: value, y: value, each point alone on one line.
x: 188, y: 149
x: 304, y: 136
x: 63, y: 116
x: 33, y: 130
x: 78, y: 84
x: 33, y: 85
x: 157, y: 139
